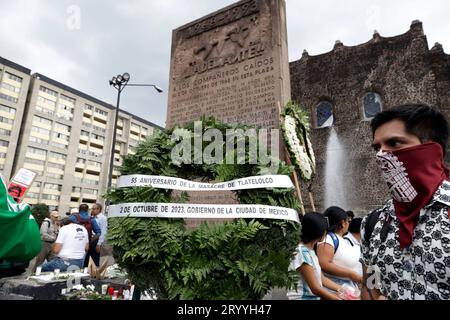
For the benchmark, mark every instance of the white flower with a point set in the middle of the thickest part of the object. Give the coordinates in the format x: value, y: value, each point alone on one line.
x: 301, y: 158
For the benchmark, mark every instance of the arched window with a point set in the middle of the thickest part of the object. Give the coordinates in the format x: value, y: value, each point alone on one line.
x: 372, y: 104
x: 324, y: 114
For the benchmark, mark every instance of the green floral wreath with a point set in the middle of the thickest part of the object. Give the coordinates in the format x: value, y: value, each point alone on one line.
x: 296, y: 127
x: 240, y: 259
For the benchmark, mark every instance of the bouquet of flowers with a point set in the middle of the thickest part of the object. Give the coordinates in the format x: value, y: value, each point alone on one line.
x: 296, y: 127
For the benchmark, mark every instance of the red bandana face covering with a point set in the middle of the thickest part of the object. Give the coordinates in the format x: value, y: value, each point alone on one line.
x: 413, y: 176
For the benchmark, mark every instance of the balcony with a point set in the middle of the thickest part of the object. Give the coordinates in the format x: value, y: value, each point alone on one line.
x: 90, y: 196
x: 75, y: 195
x: 79, y: 165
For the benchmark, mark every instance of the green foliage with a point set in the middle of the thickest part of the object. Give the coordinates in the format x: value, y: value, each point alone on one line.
x: 40, y: 211
x: 241, y: 259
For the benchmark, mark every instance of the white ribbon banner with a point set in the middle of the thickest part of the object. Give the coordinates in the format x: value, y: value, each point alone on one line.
x: 162, y: 182
x: 201, y: 211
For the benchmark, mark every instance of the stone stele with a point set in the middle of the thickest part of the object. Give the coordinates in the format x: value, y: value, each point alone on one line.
x: 231, y: 64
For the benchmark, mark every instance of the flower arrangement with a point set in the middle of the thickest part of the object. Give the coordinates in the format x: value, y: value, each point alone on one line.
x: 296, y: 127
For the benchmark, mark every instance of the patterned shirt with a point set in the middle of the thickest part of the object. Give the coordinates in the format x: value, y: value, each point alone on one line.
x: 421, y: 271
x: 304, y: 255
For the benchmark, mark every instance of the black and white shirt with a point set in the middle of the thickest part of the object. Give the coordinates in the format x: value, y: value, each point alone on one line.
x: 421, y: 271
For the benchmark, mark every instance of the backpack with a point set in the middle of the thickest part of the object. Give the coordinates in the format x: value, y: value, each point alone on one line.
x: 372, y: 219
x: 87, y: 223
x: 48, y: 222
x: 335, y: 240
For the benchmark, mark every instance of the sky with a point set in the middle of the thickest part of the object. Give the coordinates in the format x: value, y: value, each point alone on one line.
x: 84, y: 43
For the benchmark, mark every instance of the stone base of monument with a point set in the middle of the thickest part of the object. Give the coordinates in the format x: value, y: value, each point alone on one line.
x: 24, y: 288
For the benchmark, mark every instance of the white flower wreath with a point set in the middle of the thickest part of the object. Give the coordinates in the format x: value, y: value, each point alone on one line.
x: 297, y: 147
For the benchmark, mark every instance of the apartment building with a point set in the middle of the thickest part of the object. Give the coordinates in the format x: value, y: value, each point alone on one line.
x: 14, y: 82
x: 66, y: 137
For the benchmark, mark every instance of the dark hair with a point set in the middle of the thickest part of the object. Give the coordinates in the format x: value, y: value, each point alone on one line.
x: 424, y: 122
x: 355, y: 225
x: 350, y: 214
x: 65, y: 221
x: 314, y: 226
x: 83, y: 207
x: 15, y: 188
x: 335, y: 217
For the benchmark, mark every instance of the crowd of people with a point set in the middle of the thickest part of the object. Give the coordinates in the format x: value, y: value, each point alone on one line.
x: 400, y: 251
x: 72, y: 240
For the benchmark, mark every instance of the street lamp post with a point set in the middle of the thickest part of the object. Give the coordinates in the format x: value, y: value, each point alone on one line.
x: 119, y: 83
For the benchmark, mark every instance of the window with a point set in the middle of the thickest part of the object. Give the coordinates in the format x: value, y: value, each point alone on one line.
x: 6, y: 120
x: 37, y: 151
x: 99, y: 111
x: 48, y: 91
x: 57, y: 155
x: 32, y: 195
x: 44, y: 110
x: 46, y: 101
x: 56, y: 166
x: 9, y: 87
x: 62, y: 136
x: 55, y: 175
x: 90, y: 191
x: 39, y: 141
x: 42, y: 120
x: 50, y: 197
x: 81, y: 160
x: 68, y: 99
x: 2, y: 155
x: 8, y: 98
x: 76, y: 189
x: 40, y: 130
x: 324, y: 115
x: 372, y: 104
x: 4, y: 143
x: 65, y: 117
x: 94, y: 163
x: 52, y: 186
x: 84, y: 133
x: 65, y: 108
x: 5, y: 132
x: 13, y: 77
x: 59, y: 145
x: 98, y: 137
x: 34, y: 161
x: 7, y: 109
x: 37, y: 184
x: 62, y: 127
x: 88, y: 107
x: 98, y: 128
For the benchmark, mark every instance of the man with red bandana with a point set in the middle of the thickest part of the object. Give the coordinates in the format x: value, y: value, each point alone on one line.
x: 407, y: 255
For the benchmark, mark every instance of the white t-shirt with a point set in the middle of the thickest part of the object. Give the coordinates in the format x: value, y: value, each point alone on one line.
x: 346, y: 256
x: 73, y: 238
x: 304, y: 255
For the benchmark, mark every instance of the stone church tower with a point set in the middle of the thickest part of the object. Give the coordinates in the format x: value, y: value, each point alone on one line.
x: 343, y: 89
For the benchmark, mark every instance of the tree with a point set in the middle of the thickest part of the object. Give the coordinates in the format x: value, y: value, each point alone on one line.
x: 40, y: 212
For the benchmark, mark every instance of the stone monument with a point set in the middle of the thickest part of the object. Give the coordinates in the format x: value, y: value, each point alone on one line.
x: 231, y: 64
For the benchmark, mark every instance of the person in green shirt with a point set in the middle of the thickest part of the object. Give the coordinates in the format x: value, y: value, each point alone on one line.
x: 20, y: 239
